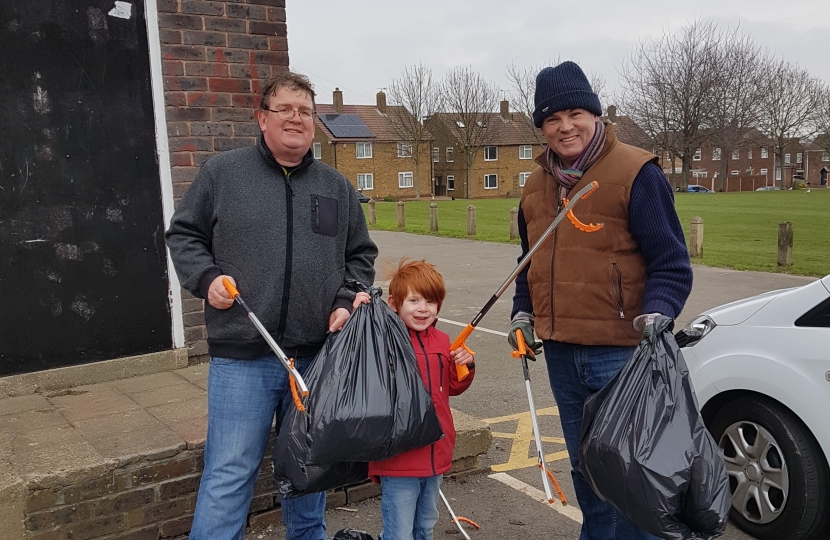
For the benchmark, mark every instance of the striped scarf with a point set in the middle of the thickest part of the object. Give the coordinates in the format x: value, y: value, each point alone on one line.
x: 568, y: 178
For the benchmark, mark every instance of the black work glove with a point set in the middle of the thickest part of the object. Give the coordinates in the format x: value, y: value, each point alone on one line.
x: 523, y: 322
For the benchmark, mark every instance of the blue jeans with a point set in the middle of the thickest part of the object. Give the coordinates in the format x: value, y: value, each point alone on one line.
x: 243, y: 398
x: 576, y: 372
x: 409, y: 506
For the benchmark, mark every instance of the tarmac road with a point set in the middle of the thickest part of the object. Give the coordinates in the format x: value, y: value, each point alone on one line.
x: 473, y: 271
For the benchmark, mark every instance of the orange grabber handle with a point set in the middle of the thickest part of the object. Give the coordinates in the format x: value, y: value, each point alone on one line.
x: 521, y: 346
x: 229, y: 286
x: 590, y: 227
x: 462, y: 371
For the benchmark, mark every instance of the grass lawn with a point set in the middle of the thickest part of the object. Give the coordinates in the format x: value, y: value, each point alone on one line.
x: 740, y: 230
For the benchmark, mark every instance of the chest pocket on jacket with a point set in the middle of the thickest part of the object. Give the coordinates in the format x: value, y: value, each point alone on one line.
x: 324, y: 215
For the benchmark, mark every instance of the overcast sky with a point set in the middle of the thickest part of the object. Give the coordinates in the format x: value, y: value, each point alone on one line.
x: 361, y: 46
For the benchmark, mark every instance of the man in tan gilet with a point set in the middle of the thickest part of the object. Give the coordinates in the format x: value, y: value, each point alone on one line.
x: 589, y: 296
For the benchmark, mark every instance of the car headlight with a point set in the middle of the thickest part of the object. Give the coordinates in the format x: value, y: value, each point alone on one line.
x: 694, y: 331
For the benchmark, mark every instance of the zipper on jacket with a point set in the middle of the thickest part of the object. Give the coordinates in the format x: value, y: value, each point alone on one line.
x: 289, y: 248
x: 429, y: 391
x: 440, y: 373
x: 617, y: 289
x: 316, y: 212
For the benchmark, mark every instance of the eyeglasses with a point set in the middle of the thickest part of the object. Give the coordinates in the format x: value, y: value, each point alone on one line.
x: 287, y: 113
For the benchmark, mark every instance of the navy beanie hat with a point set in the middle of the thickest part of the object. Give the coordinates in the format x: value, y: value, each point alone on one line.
x: 563, y: 87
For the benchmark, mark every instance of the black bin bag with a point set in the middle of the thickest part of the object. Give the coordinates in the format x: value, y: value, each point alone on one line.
x: 366, y: 402
x: 646, y: 451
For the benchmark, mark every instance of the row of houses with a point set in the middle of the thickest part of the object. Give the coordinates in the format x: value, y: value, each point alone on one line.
x: 363, y: 143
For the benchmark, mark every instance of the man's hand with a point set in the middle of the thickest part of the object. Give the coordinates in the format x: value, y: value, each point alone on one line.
x: 461, y: 357
x: 338, y: 318
x: 218, y: 295
x: 523, y: 322
x: 645, y: 323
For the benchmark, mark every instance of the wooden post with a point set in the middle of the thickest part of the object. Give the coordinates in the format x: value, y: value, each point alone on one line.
x: 401, y: 220
x: 433, y: 217
x: 696, y: 237
x: 785, y: 244
x: 514, y: 223
x: 471, y: 220
x: 373, y: 217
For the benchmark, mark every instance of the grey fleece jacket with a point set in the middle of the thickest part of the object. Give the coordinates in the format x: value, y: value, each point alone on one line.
x: 291, y: 242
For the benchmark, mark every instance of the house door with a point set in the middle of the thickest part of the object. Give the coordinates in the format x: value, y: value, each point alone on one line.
x: 83, y: 267
x: 824, y: 176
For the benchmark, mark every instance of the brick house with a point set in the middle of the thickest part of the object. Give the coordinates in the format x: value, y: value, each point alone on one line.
x: 500, y: 166
x: 377, y: 162
x: 747, y: 167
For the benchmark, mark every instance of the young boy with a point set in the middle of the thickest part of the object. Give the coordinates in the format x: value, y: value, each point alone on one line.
x: 410, y: 481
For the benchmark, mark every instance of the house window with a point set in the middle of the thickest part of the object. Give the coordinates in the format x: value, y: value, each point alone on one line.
x: 778, y: 173
x: 523, y: 176
x: 404, y: 149
x: 459, y: 123
x: 436, y: 154
x: 364, y: 150
x: 736, y: 173
x: 736, y: 154
x: 764, y: 152
x: 449, y: 154
x: 491, y: 181
x: 491, y: 153
x: 365, y: 181
x: 786, y: 158
x: 825, y: 156
x: 526, y: 152
x: 715, y: 154
x: 317, y: 148
x: 450, y: 182
x: 799, y: 158
x: 697, y: 155
x: 749, y: 154
x: 405, y: 180
x: 764, y: 172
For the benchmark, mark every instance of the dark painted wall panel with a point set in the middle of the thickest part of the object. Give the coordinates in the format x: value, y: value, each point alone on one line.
x: 83, y: 269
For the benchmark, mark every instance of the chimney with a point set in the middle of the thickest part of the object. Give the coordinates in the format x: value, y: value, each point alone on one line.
x: 337, y: 101
x: 505, y: 109
x: 381, y: 102
x: 612, y: 114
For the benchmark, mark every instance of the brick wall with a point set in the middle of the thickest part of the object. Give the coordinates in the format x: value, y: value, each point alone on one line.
x: 214, y: 57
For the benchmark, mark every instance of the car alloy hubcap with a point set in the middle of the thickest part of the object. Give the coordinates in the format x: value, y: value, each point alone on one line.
x: 758, y: 475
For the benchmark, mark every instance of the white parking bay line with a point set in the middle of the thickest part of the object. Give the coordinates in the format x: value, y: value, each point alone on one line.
x: 570, y: 512
x: 480, y: 329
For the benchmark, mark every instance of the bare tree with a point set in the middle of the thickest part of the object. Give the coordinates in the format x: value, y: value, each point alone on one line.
x: 468, y: 100
x: 823, y: 140
x: 668, y: 89
x: 791, y: 109
x: 414, y: 96
x: 738, y: 101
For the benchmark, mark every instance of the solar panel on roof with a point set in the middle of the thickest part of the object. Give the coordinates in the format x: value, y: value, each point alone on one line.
x: 347, y: 125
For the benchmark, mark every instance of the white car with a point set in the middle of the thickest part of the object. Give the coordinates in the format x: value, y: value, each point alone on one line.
x: 761, y: 372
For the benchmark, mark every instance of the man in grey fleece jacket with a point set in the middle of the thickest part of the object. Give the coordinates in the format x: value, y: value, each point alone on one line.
x: 290, y: 233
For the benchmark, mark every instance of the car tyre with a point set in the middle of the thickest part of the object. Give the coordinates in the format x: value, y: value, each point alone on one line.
x: 786, y: 469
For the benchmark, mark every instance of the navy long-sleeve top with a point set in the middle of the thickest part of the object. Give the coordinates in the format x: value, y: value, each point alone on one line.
x: 656, y: 228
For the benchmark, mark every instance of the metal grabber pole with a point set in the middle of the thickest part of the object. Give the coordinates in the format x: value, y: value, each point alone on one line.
x: 540, y: 454
x: 583, y: 193
x: 295, y: 380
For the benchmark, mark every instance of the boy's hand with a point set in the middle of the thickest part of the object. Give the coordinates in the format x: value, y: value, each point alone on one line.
x: 461, y: 357
x: 361, y: 298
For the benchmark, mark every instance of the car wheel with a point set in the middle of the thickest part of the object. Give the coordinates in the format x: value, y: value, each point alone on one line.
x: 777, y: 472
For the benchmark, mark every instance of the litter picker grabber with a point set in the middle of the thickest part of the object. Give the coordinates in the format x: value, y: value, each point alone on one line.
x: 458, y: 520
x: 295, y: 380
x: 459, y: 342
x: 540, y: 455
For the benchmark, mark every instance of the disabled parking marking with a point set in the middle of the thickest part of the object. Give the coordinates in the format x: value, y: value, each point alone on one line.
x: 569, y: 511
x: 523, y: 443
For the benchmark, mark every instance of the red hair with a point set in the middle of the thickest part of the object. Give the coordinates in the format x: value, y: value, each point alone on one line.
x: 420, y: 277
